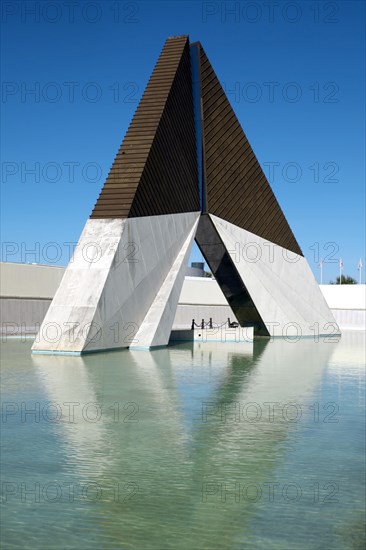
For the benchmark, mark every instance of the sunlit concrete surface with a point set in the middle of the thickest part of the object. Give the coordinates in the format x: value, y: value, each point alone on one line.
x: 117, y: 271
x: 281, y: 284
x: 156, y: 327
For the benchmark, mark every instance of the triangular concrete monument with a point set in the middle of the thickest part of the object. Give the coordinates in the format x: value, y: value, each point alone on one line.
x: 185, y: 171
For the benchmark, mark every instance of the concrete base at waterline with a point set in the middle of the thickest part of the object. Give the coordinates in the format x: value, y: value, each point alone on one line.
x: 216, y: 334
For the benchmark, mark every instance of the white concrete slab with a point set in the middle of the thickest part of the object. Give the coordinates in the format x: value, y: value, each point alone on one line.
x: 111, y: 282
x: 280, y: 283
x: 156, y: 327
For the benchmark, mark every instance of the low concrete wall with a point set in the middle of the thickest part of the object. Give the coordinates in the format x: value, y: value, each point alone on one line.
x: 186, y: 312
x: 345, y: 296
x: 350, y: 319
x: 22, y: 315
x: 348, y: 305
x: 29, y: 280
x: 26, y: 292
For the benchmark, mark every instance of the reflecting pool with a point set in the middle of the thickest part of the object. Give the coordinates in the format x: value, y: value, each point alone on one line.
x: 194, y: 446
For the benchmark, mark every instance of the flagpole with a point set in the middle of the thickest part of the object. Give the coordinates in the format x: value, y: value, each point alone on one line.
x: 321, y: 270
x: 359, y: 267
x: 340, y: 270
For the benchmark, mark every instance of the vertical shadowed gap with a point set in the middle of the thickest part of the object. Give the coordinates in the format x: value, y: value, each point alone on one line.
x: 196, y: 88
x: 228, y: 277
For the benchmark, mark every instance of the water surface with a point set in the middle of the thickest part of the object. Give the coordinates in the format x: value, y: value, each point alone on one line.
x: 204, y: 446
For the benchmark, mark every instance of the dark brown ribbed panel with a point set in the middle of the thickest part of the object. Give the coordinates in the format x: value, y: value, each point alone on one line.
x: 236, y: 188
x: 155, y: 170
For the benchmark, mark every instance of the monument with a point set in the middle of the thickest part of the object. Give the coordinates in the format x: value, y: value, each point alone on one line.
x: 185, y: 171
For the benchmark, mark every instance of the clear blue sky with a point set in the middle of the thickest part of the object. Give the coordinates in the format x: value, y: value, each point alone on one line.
x: 295, y: 72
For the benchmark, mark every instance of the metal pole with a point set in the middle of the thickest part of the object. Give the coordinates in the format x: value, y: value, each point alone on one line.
x: 340, y: 271
x: 359, y: 267
x: 321, y: 271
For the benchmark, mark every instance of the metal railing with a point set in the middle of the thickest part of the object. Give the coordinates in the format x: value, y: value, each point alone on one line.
x: 211, y: 325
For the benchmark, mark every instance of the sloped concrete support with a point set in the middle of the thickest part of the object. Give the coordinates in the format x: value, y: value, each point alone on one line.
x: 116, y: 272
x: 278, y: 282
x: 156, y: 327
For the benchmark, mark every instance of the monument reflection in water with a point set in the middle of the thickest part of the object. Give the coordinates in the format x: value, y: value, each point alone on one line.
x: 192, y: 446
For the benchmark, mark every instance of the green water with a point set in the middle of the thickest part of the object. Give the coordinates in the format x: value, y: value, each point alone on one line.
x: 211, y: 446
